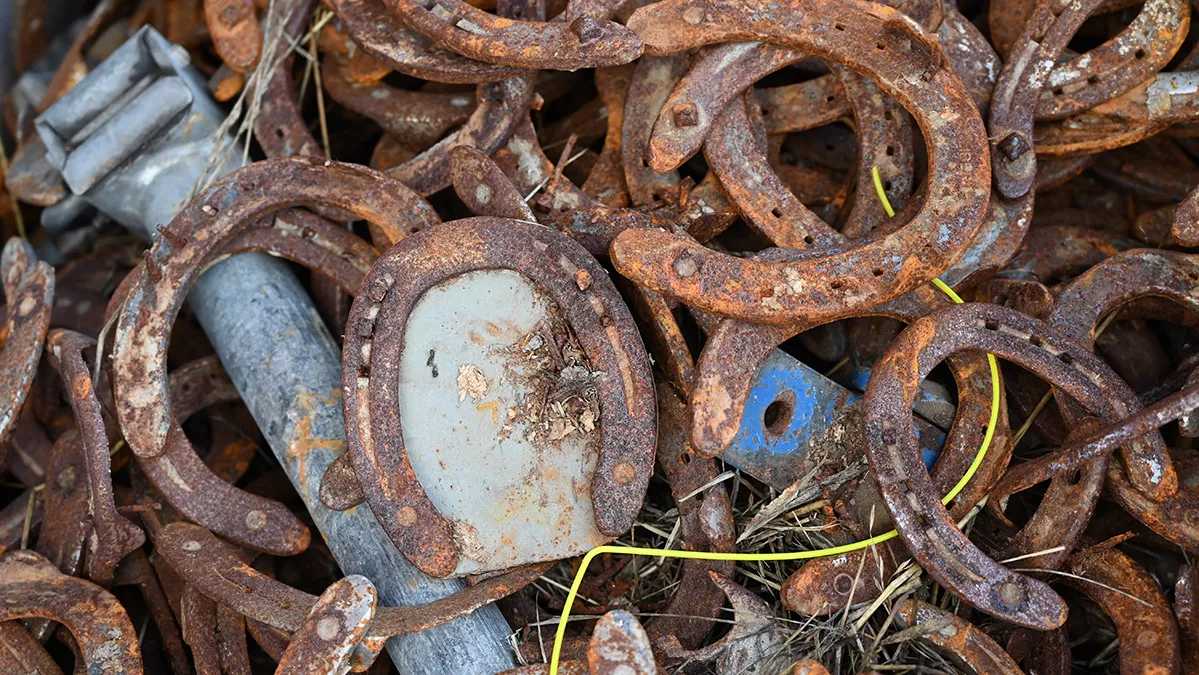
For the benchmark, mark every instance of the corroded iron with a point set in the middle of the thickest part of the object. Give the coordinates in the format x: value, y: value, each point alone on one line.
x: 963, y: 640
x: 30, y: 587
x: 325, y: 641
x: 174, y: 262
x: 29, y: 291
x: 599, y: 320
x: 835, y: 284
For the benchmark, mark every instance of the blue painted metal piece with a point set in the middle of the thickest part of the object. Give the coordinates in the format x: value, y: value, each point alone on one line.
x: 789, y: 408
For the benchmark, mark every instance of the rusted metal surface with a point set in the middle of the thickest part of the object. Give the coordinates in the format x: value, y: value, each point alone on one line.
x: 174, y: 262
x: 713, y: 80
x: 1134, y: 602
x: 23, y: 654
x: 754, y: 639
x: 598, y: 318
x: 579, y: 41
x: 922, y: 522
x: 620, y: 645
x: 29, y: 291
x: 962, y: 640
x: 706, y: 521
x: 111, y: 536
x: 30, y: 587
x: 236, y: 35
x: 187, y: 483
x: 382, y: 35
x: 1188, y: 620
x: 326, y: 639
x: 836, y: 284
x: 484, y: 188
x: 220, y: 573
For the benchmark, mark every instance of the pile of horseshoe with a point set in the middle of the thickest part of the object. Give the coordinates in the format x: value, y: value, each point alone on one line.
x: 696, y: 185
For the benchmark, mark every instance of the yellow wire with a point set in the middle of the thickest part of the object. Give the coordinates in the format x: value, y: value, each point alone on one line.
x: 794, y: 555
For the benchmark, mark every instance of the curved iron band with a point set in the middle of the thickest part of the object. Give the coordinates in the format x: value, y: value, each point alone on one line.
x: 1139, y: 51
x: 1134, y: 602
x: 462, y: 28
x: 919, y: 517
x: 190, y: 486
x: 214, y: 568
x: 884, y: 133
x: 706, y: 525
x: 385, y: 38
x: 419, y: 118
x: 29, y: 291
x: 501, y: 105
x: 31, y: 587
x: 482, y: 186
x: 735, y: 350
x: 348, y: 607
x: 650, y: 86
x: 112, y: 535
x: 719, y: 75
x: 1018, y: 89
x: 1149, y: 487
x: 889, y: 49
x: 965, y: 641
x: 1122, y: 278
x: 202, y: 227
x: 599, y: 318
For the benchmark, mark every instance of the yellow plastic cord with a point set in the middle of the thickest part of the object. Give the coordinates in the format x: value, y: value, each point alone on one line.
x: 794, y: 555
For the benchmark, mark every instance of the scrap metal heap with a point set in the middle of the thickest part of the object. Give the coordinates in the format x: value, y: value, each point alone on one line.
x: 673, y: 275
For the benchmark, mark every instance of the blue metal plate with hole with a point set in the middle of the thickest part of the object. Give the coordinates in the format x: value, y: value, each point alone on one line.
x: 790, y: 407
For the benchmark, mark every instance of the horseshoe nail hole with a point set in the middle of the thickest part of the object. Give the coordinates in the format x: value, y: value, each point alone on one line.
x: 1075, y: 478
x: 644, y: 163
x: 279, y: 133
x: 1035, y: 340
x: 887, y: 115
x: 776, y: 212
x: 836, y: 285
x: 838, y: 26
x: 886, y: 186
x: 830, y: 99
x: 685, y: 458
x: 777, y: 417
x: 1094, y: 79
x: 765, y: 112
x: 1065, y: 358
x: 905, y: 487
x: 1059, y: 91
x: 992, y: 325
x: 877, y: 272
x: 807, y: 239
x: 1140, y: 54
x: 829, y: 147
x: 890, y: 151
x: 842, y: 583
x: 656, y: 196
x: 879, y: 46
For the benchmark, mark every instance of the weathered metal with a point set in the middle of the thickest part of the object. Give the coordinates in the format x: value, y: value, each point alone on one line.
x: 598, y: 319
x: 1134, y: 602
x: 325, y: 641
x: 29, y: 292
x: 216, y: 569
x: 110, y: 535
x: 911, y: 499
x: 236, y: 35
x: 837, y: 284
x: 31, y: 587
x: 577, y: 41
x: 175, y: 260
